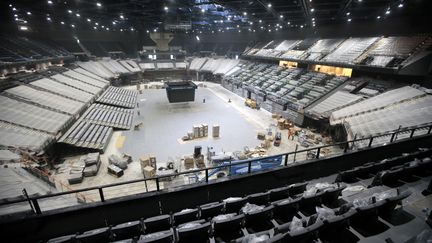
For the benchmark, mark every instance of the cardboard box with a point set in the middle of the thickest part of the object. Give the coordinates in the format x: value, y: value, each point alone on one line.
x: 205, y: 129
x: 215, y: 131
x: 188, y: 162
x: 149, y: 171
x: 144, y: 160
x: 199, y: 162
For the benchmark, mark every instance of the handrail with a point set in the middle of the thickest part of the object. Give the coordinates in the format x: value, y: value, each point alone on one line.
x: 393, y: 134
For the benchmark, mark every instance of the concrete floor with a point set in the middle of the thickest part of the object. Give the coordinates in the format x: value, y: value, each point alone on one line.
x: 166, y: 123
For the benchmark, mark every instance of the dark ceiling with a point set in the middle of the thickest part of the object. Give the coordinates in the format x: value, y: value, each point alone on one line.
x: 205, y: 15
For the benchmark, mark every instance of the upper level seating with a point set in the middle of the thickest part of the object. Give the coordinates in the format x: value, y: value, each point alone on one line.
x: 350, y: 49
x: 24, y: 49
x: 391, y: 48
x: 299, y: 49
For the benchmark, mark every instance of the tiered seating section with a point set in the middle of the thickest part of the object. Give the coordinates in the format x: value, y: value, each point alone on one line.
x: 372, y: 51
x: 21, y: 49
x: 119, y: 97
x: 108, y: 68
x: 163, y: 65
x: 402, y: 107
x: 295, y: 87
x: 43, y: 106
x: 302, y: 212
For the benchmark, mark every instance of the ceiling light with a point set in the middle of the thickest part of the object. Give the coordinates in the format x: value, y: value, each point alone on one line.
x: 94, y: 27
x: 14, y: 9
x: 269, y: 5
x: 96, y: 23
x: 197, y: 38
x: 281, y: 16
x: 114, y: 23
x: 89, y: 20
x: 378, y: 17
x: 202, y: 10
x: 244, y: 13
x: 312, y: 9
x: 98, y: 4
x: 387, y: 12
x: 69, y: 11
x: 148, y: 31
x: 72, y: 25
x: 25, y: 28
x: 348, y: 14
x: 28, y: 13
x: 166, y: 8
x: 48, y: 18
x: 260, y: 21
x: 62, y: 22
x: 15, y: 15
x: 400, y: 5
x: 121, y: 16
x: 78, y: 15
x: 108, y: 28
x: 349, y: 20
x: 50, y: 2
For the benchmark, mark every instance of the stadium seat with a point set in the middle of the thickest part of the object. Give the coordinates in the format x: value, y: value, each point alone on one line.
x: 195, y: 231
x: 228, y: 229
x: 391, y: 202
x: 127, y: 230
x: 331, y: 195
x: 185, y: 216
x: 259, y: 220
x: 296, y: 189
x: 261, y: 198
x: 166, y: 236
x: 210, y: 210
x: 63, y: 239
x: 157, y: 223
x: 309, y: 202
x: 285, y: 209
x: 96, y: 235
x: 234, y: 206
x: 279, y: 193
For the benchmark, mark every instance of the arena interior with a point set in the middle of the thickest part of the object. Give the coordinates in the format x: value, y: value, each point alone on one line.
x: 216, y: 121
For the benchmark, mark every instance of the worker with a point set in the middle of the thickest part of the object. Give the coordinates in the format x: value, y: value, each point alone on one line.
x: 289, y: 133
x: 137, y: 104
x: 204, y: 100
x: 229, y: 100
x: 138, y: 112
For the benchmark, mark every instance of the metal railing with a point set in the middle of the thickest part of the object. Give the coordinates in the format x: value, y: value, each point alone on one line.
x: 33, y: 202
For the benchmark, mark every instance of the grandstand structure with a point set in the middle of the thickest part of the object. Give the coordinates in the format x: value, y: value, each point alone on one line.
x: 311, y: 121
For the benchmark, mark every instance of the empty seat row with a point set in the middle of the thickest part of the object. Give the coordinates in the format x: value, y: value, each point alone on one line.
x: 368, y: 170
